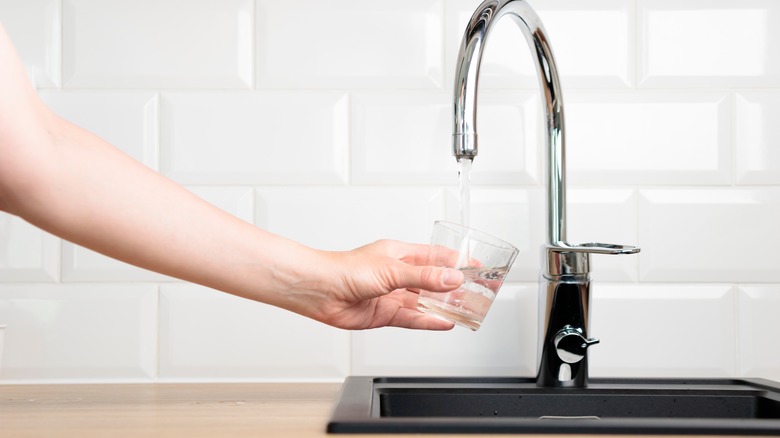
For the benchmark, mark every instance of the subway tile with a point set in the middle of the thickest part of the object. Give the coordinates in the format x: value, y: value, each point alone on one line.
x: 593, y: 44
x: 349, y: 44
x: 757, y: 135
x: 79, y: 332
x: 80, y: 264
x: 758, y: 307
x: 34, y: 29
x: 659, y: 138
x: 27, y: 253
x: 657, y: 331
x: 510, y: 137
x: 255, y: 138
x: 126, y: 119
x: 407, y: 138
x: 683, y: 43
x: 345, y: 218
x: 132, y: 44
x: 208, y: 335
x: 505, y: 345
x: 708, y: 235
x: 513, y: 215
x: 402, y: 138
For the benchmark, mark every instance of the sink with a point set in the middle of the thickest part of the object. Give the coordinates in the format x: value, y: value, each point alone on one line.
x: 518, y: 405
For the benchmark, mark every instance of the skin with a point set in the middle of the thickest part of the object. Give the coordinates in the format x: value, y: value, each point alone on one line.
x: 75, y: 185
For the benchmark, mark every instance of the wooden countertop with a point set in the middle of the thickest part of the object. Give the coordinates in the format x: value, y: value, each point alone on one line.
x: 171, y: 410
x: 166, y: 410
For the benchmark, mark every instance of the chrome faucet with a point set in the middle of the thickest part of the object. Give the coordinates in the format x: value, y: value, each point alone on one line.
x: 564, y: 301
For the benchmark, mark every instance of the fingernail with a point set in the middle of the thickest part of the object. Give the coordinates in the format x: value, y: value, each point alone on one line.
x: 453, y: 277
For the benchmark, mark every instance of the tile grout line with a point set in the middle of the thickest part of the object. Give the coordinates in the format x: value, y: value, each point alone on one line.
x: 733, y: 138
x: 634, y: 32
x: 736, y: 309
x: 158, y: 351
x: 61, y: 30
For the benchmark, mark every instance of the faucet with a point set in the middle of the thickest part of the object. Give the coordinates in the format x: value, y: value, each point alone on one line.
x: 564, y: 287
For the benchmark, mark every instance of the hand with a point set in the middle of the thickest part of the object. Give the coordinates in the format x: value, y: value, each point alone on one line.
x: 377, y: 285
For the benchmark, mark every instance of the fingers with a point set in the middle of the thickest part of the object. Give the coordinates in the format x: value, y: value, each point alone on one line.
x: 439, y: 255
x: 419, y: 254
x: 392, y: 273
x: 430, y: 278
x: 421, y: 267
x: 451, y: 278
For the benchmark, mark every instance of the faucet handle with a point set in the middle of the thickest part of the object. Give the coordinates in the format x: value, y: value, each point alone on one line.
x: 571, y: 343
x: 593, y: 248
x: 567, y: 259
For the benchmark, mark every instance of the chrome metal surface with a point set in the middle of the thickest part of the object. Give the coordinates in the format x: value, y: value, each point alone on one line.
x: 570, y: 344
x: 566, y: 269
x: 465, y: 101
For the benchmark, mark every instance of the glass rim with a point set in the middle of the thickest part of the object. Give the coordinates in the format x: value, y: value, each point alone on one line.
x: 481, y: 235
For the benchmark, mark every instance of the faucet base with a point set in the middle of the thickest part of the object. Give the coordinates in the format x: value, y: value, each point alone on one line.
x: 563, y: 359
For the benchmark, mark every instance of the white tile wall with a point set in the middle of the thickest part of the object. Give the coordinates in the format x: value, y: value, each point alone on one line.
x: 206, y: 334
x: 241, y: 138
x: 757, y: 133
x: 649, y: 138
x: 329, y: 122
x: 662, y: 330
x: 27, y: 253
x: 682, y: 43
x: 80, y: 332
x: 757, y: 307
x: 317, y: 217
x: 349, y: 44
x: 709, y: 235
x: 170, y: 44
x: 35, y: 28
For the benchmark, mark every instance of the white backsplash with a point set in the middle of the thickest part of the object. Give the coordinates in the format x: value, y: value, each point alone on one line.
x: 329, y: 122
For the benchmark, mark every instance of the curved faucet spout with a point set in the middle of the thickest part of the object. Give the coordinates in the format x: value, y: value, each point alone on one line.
x: 564, y: 299
x: 466, y: 83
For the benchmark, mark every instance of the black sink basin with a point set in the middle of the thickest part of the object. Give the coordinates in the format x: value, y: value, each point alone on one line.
x: 517, y: 405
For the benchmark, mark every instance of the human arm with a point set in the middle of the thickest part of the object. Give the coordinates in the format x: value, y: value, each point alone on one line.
x: 73, y: 184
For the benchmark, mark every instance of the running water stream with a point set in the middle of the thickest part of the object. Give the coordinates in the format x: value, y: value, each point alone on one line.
x: 464, y: 178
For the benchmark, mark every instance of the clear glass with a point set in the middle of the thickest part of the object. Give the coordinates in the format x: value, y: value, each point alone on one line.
x: 483, y: 259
